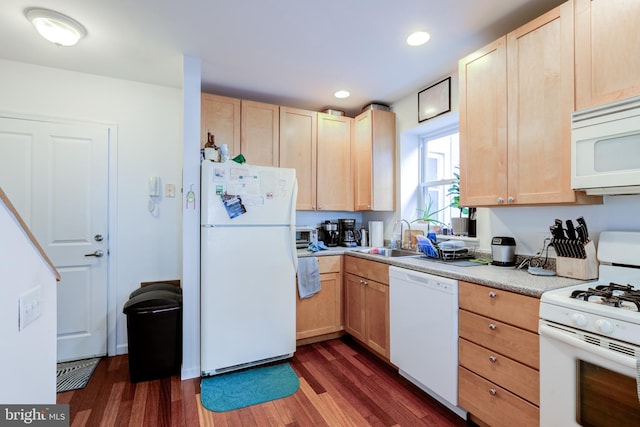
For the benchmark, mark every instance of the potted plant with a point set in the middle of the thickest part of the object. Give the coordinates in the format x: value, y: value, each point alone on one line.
x: 428, y: 215
x: 460, y: 225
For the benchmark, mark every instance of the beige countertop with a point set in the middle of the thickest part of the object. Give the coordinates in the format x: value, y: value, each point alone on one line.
x: 508, y: 278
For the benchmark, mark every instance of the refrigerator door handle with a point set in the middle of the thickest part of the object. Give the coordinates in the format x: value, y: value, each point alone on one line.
x: 292, y: 227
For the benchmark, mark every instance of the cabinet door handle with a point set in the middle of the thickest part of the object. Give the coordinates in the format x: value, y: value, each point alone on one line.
x: 492, y: 359
x: 493, y: 391
x: 510, y: 199
x: 500, y: 200
x: 492, y: 294
x: 492, y: 326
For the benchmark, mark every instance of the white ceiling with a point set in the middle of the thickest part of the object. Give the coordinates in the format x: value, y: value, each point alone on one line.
x: 290, y: 52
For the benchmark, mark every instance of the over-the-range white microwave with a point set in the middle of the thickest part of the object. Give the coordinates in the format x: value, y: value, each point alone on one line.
x: 605, y: 148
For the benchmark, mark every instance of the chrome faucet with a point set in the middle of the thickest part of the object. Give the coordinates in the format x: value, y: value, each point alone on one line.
x: 400, y: 221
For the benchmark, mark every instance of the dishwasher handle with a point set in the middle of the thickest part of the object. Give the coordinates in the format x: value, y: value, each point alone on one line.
x: 410, y: 277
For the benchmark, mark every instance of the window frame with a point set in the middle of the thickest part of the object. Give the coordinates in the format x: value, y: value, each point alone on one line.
x: 444, y: 183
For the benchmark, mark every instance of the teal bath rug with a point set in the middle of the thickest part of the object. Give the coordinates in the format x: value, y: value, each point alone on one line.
x: 235, y: 390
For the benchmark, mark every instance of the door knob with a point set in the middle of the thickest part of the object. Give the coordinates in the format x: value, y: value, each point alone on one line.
x: 98, y: 254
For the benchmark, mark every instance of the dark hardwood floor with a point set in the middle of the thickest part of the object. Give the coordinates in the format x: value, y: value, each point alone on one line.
x: 341, y: 384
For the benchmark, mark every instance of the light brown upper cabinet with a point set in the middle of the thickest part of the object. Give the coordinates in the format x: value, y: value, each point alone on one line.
x: 520, y: 155
x: 298, y: 144
x: 260, y: 133
x: 373, y: 160
x: 220, y: 115
x: 607, y: 56
x: 335, y: 175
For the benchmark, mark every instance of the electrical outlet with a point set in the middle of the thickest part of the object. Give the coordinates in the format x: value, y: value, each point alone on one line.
x: 169, y: 190
x: 30, y: 307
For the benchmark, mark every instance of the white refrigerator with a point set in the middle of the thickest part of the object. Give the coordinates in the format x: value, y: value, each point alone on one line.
x: 248, y: 266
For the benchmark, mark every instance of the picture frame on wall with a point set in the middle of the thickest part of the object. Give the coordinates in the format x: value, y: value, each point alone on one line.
x: 434, y: 100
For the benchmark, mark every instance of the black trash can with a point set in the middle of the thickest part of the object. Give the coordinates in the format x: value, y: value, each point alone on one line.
x: 154, y: 329
x: 160, y: 286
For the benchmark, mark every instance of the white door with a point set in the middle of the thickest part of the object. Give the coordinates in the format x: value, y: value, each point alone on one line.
x: 56, y: 175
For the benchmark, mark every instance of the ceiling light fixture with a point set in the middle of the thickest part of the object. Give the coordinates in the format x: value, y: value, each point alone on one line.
x: 418, y: 38
x: 342, y: 94
x: 55, y: 27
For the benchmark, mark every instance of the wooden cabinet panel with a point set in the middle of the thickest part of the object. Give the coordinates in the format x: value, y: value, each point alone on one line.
x: 515, y: 309
x: 322, y: 313
x: 298, y: 144
x: 260, y: 133
x: 494, y: 405
x: 377, y: 271
x: 606, y: 55
x: 498, y: 354
x: 335, y: 175
x: 483, y: 126
x: 520, y: 155
x: 220, y: 115
x: 330, y: 264
x: 374, y: 160
x: 354, y: 307
x: 508, y: 340
x: 377, y: 317
x: 520, y: 379
x: 367, y: 303
x: 540, y: 98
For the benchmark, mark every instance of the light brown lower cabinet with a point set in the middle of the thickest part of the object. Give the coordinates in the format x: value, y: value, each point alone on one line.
x: 498, y: 356
x: 366, y: 293
x: 493, y: 404
x: 322, y: 313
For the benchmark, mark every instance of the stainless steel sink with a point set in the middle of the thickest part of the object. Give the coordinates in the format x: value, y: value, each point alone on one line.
x: 394, y: 253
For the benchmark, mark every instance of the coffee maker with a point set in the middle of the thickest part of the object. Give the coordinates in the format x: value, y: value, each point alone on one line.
x: 347, y: 232
x: 328, y: 233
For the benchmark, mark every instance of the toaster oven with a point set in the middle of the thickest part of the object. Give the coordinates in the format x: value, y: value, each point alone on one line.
x: 306, y: 235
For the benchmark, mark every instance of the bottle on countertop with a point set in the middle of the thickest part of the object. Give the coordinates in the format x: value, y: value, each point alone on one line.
x: 364, y: 241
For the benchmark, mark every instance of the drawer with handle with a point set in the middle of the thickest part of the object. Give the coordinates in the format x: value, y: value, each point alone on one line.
x: 505, y: 339
x: 493, y: 404
x: 507, y: 373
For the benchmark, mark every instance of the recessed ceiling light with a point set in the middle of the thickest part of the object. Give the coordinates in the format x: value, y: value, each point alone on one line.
x: 342, y: 94
x: 418, y: 38
x: 55, y: 27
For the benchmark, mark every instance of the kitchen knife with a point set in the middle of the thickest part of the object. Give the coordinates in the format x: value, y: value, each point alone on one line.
x: 556, y: 232
x: 582, y: 234
x: 560, y: 230
x: 571, y: 231
x: 583, y: 223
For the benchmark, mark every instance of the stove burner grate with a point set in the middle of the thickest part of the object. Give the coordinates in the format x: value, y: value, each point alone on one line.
x: 613, y: 295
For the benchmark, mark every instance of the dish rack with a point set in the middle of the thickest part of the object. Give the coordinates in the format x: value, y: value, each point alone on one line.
x: 453, y: 254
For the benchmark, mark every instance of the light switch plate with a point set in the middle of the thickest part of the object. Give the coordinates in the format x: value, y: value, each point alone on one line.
x: 169, y: 190
x: 30, y: 307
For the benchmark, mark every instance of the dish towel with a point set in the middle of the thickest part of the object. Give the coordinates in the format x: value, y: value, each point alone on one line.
x: 308, y: 277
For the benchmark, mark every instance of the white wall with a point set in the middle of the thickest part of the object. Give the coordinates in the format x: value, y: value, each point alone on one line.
x: 28, y: 373
x: 143, y: 247
x: 529, y: 225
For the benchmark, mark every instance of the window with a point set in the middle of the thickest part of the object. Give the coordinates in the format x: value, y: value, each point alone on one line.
x: 439, y: 160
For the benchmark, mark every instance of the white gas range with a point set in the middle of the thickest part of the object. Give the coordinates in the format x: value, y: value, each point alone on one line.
x: 590, y: 342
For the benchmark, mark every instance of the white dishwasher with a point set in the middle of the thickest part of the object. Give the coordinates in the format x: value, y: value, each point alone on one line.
x: 424, y: 332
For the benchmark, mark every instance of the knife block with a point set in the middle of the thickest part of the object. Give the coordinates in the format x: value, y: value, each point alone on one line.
x: 579, y: 268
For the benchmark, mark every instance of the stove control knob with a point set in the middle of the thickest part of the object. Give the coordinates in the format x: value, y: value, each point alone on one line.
x: 604, y: 326
x: 580, y: 320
